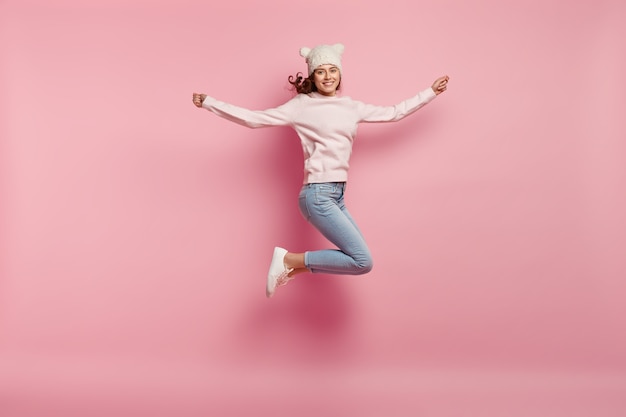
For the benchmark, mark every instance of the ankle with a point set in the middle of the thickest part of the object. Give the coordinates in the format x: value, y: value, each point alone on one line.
x: 293, y: 260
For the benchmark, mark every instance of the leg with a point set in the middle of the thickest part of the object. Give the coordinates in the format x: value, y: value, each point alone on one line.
x: 323, y: 206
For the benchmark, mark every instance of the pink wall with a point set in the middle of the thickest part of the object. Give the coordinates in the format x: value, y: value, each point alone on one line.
x: 136, y: 229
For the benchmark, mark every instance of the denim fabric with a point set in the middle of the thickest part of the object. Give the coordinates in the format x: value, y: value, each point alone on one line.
x: 322, y: 205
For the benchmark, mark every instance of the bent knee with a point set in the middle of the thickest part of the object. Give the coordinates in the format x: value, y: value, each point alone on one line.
x: 364, y: 266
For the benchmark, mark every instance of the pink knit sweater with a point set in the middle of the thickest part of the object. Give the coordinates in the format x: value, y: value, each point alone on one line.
x: 326, y: 126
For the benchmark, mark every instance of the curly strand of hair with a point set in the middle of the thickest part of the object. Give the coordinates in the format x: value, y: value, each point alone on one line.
x: 302, y: 85
x: 295, y: 81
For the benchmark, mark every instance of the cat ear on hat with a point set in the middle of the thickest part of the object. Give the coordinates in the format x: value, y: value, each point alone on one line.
x: 305, y: 51
x: 339, y: 48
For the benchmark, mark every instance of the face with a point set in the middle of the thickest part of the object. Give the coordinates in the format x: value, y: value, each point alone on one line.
x: 326, y: 79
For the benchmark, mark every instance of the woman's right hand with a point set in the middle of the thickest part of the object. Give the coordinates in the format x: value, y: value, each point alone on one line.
x: 198, y: 99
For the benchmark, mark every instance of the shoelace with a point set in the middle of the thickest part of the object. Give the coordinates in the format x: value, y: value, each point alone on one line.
x: 284, y: 278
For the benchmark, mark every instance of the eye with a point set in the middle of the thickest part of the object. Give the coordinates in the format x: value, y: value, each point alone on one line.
x: 333, y: 70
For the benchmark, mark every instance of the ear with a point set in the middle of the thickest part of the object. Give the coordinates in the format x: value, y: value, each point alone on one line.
x: 304, y: 52
x: 339, y: 47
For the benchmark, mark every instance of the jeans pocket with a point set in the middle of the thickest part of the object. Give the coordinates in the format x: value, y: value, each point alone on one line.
x: 323, y: 194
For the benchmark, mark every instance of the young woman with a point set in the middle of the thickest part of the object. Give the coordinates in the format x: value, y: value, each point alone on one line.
x: 326, y: 124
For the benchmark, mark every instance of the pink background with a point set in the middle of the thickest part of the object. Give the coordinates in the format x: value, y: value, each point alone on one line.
x: 136, y: 229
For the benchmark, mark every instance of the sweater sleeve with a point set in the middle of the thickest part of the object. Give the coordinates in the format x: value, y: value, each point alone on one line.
x: 371, y: 113
x: 279, y: 116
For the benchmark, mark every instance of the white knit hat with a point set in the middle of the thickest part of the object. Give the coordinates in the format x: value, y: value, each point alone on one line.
x: 322, y: 55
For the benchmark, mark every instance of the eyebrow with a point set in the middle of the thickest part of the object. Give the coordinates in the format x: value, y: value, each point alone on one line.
x: 323, y: 69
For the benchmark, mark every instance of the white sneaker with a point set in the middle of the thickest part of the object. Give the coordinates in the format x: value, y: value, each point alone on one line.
x: 278, y: 274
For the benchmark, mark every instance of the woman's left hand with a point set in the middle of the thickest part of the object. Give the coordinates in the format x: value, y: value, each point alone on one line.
x: 440, y: 85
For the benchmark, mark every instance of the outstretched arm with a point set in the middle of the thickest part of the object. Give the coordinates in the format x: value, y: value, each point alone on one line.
x: 440, y: 84
x: 277, y: 116
x: 371, y: 113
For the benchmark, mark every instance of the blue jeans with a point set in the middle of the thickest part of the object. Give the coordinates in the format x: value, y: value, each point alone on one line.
x: 322, y: 205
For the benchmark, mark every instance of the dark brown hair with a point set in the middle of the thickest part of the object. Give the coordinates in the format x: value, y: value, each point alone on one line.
x: 305, y: 85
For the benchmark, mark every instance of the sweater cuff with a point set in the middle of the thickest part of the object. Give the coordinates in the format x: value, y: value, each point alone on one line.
x: 429, y: 94
x: 205, y: 102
